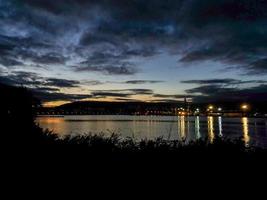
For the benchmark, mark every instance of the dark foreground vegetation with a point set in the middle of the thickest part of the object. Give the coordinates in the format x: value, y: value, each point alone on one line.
x: 26, y: 144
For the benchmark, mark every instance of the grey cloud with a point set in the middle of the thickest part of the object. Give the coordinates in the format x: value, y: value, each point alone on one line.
x: 142, y: 91
x: 175, y: 96
x: 123, y: 92
x: 92, y: 82
x: 21, y: 78
x: 165, y: 100
x: 9, y: 62
x: 212, y: 81
x: 214, y: 30
x: 258, y: 67
x: 226, y: 81
x: 47, y: 89
x: 48, y: 96
x: 61, y: 82
x: 105, y: 35
x: 50, y: 58
x: 109, y: 94
x: 123, y: 69
x: 142, y: 82
x: 34, y: 80
x: 221, y: 93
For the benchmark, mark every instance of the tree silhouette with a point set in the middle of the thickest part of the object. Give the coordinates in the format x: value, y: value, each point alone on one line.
x: 17, y: 106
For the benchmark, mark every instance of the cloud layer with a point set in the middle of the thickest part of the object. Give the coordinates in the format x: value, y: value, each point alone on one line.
x: 105, y: 35
x: 110, y: 37
x: 228, y: 90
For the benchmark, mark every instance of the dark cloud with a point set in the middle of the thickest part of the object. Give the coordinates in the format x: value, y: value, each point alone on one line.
x: 92, y: 82
x: 258, y: 67
x: 222, y: 93
x: 211, y: 90
x: 142, y: 82
x: 50, y: 58
x: 21, y: 78
x: 211, y: 81
x: 164, y: 100
x: 226, y: 81
x: 121, y: 93
x: 108, y: 37
x: 127, y: 99
x: 199, y: 30
x: 110, y: 63
x: 109, y: 94
x: 54, y: 96
x: 30, y: 79
x: 123, y: 69
x: 175, y: 96
x: 141, y: 91
x: 220, y: 26
x: 9, y: 62
x: 47, y: 89
x: 61, y: 83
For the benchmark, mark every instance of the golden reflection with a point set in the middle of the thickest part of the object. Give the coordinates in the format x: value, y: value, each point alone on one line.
x: 181, y: 127
x: 246, y: 137
x: 211, y: 129
x: 197, y: 128
x: 54, y: 103
x: 54, y: 124
x: 220, y: 126
x: 50, y: 120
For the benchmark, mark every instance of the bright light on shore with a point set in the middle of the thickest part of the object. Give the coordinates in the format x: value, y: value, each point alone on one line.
x: 244, y: 107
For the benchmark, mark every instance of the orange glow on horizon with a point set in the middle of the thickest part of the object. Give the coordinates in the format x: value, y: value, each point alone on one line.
x: 54, y: 103
x: 141, y: 98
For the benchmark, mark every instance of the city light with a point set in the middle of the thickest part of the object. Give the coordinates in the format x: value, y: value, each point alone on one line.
x: 219, y: 109
x: 244, y: 107
x: 211, y: 107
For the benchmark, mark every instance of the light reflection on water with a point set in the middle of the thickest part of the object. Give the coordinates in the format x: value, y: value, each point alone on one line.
x: 197, y: 128
x: 251, y: 130
x: 211, y: 134
x: 181, y: 128
x: 246, y: 137
x: 220, y: 126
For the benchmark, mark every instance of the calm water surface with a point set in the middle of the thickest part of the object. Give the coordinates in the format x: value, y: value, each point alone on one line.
x: 253, y: 131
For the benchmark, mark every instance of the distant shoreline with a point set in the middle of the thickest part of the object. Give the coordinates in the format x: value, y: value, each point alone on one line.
x: 256, y: 117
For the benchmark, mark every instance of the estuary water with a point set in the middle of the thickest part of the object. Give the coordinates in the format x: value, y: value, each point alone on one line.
x: 253, y: 131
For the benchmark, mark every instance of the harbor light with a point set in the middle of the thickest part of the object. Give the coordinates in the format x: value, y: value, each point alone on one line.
x: 244, y: 107
x: 211, y: 107
x: 219, y: 109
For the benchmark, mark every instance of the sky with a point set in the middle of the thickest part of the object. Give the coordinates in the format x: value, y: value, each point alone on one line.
x: 135, y: 50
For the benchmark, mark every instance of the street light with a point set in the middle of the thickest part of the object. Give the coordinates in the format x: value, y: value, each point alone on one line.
x: 210, y: 107
x: 244, y: 107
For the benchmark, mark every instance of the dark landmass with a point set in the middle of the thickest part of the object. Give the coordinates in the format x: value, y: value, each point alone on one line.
x: 256, y: 109
x: 113, y: 108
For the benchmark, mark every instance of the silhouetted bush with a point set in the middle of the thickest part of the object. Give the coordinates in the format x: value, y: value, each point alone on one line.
x: 17, y: 114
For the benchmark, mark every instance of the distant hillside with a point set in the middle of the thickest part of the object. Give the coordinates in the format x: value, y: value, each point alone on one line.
x: 95, y: 107
x: 163, y: 108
